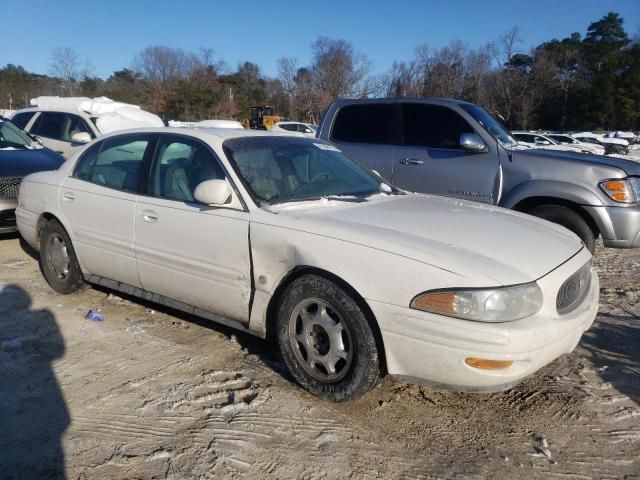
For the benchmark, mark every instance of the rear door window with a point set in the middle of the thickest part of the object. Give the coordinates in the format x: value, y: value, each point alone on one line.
x: 366, y: 123
x: 22, y: 119
x: 432, y: 126
x: 119, y: 163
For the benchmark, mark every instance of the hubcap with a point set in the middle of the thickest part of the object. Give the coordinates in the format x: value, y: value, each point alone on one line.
x: 321, y: 340
x: 58, y: 256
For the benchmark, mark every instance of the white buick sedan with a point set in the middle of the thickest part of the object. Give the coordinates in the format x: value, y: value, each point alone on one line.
x: 286, y: 237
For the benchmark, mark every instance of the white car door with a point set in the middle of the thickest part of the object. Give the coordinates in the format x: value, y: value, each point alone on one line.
x: 98, y: 201
x: 185, y: 250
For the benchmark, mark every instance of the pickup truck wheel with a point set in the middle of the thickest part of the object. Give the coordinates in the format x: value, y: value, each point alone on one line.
x: 569, y: 219
x: 58, y: 260
x: 326, y: 341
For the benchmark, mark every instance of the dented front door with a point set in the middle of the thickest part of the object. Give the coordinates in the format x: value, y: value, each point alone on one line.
x: 195, y: 254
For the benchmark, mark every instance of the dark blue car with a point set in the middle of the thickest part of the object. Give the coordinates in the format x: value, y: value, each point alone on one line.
x: 20, y: 155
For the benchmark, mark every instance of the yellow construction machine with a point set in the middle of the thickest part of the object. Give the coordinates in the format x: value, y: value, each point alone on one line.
x: 262, y: 118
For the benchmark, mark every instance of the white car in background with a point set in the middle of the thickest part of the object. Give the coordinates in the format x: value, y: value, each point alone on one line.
x: 287, y: 237
x: 611, y: 145
x: 538, y: 140
x: 295, y: 128
x: 216, y: 123
x: 567, y: 139
x: 64, y: 124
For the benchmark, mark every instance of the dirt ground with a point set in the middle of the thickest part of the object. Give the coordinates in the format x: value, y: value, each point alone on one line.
x: 152, y: 393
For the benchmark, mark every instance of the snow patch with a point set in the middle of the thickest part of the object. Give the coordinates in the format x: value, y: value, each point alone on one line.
x: 111, y: 115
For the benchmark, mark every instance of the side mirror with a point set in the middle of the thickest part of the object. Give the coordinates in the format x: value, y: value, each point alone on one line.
x: 472, y: 143
x: 213, y: 193
x: 80, y: 138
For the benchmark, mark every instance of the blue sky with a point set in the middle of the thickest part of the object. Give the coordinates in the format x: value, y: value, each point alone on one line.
x: 109, y: 33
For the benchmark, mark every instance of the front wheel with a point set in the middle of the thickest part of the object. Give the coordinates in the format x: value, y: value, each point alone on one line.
x: 569, y: 219
x: 326, y: 341
x: 58, y: 260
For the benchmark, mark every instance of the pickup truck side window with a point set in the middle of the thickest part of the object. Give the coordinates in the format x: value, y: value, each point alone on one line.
x: 432, y: 126
x: 364, y: 124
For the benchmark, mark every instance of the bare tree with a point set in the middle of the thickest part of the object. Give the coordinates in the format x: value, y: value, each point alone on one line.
x: 162, y: 67
x: 287, y: 69
x: 67, y: 65
x: 337, y: 69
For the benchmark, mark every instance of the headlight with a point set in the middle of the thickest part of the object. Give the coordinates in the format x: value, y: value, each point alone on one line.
x: 484, y: 305
x: 625, y: 190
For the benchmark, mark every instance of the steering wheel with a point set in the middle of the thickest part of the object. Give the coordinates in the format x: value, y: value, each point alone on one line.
x: 326, y: 175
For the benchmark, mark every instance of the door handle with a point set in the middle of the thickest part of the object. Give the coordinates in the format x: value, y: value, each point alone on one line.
x: 411, y: 161
x: 68, y: 196
x: 149, y: 216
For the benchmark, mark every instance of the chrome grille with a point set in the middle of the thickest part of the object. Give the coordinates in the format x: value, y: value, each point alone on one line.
x: 574, y: 290
x: 9, y: 187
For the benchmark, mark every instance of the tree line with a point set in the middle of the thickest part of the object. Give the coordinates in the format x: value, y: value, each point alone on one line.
x: 575, y: 83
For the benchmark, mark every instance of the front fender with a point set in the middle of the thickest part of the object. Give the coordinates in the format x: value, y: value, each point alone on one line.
x: 570, y: 192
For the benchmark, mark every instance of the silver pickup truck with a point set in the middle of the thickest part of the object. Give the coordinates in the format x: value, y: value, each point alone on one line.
x: 455, y: 148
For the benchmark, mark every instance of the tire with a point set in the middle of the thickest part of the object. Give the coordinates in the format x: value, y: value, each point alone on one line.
x: 569, y: 219
x: 58, y: 260
x: 344, y: 362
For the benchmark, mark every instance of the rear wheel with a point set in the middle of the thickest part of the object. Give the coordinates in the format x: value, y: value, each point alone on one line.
x: 326, y: 340
x: 58, y: 259
x: 569, y: 219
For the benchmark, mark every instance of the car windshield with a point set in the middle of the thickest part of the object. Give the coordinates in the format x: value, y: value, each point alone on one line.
x: 12, y: 137
x: 490, y: 124
x: 288, y: 169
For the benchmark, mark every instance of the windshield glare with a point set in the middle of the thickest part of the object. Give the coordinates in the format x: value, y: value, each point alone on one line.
x: 491, y: 125
x: 12, y: 136
x: 288, y: 169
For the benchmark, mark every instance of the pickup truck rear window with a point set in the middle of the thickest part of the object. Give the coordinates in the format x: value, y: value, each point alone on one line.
x: 363, y: 124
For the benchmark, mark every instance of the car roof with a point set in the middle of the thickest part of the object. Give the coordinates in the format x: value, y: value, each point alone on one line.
x: 392, y: 100
x: 35, y: 109
x: 202, y: 133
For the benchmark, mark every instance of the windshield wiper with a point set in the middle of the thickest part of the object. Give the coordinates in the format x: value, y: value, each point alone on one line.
x: 7, y: 143
x: 344, y: 198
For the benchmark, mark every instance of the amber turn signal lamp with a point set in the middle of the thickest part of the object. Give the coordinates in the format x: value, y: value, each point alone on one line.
x: 485, y: 364
x: 436, y: 302
x: 614, y: 186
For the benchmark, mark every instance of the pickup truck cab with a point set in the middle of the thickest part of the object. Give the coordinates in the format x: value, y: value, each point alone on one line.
x: 455, y: 148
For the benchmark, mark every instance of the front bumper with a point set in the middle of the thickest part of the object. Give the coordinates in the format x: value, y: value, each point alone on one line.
x: 8, y: 215
x: 421, y: 347
x: 619, y: 226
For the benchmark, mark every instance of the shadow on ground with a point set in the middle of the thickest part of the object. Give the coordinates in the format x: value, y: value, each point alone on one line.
x: 33, y: 414
x: 614, y: 344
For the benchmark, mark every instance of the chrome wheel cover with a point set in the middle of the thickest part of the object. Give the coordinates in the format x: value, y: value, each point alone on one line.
x: 321, y: 340
x: 58, y: 256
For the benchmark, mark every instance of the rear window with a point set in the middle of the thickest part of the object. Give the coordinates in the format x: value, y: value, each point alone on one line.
x: 364, y: 124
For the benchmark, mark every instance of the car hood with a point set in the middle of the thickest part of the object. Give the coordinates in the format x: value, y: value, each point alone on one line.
x: 490, y: 245
x: 19, y: 163
x: 628, y: 166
